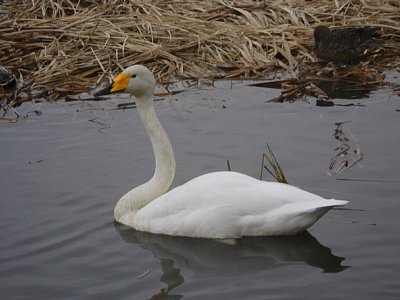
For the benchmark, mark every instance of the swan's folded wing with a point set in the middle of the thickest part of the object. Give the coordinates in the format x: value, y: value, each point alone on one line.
x: 290, y: 218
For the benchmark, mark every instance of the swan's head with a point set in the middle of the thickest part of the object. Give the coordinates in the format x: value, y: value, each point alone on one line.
x: 136, y: 80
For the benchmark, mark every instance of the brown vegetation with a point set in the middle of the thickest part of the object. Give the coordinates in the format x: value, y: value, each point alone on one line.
x: 60, y: 47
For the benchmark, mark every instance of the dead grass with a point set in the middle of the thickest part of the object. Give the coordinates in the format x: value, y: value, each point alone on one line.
x: 271, y: 165
x: 60, y: 47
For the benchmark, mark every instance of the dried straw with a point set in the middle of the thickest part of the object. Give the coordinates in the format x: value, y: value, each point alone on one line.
x: 66, y: 46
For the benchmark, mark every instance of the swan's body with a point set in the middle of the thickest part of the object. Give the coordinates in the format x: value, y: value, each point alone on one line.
x: 214, y: 205
x: 230, y: 205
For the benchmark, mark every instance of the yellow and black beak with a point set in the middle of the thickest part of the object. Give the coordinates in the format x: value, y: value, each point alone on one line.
x: 119, y: 84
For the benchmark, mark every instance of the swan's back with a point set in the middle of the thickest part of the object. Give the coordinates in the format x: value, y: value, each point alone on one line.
x: 229, y: 205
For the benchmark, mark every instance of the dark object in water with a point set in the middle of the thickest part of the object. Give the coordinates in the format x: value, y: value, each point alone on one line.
x: 343, y: 45
x: 324, y: 103
x: 7, y: 78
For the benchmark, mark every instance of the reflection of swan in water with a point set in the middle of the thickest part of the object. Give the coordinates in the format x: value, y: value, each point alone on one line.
x: 205, y: 257
x: 214, y: 205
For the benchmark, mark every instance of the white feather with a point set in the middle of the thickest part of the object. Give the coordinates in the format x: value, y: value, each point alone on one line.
x: 215, y: 205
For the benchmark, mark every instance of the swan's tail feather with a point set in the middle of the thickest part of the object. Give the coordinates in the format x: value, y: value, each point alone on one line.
x: 313, y: 206
x: 338, y: 202
x: 297, y: 217
x: 289, y: 219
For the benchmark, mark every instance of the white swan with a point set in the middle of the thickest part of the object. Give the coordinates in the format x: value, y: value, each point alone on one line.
x: 214, y: 205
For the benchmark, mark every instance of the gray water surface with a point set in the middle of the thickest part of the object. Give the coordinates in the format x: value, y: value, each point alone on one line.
x: 63, y: 171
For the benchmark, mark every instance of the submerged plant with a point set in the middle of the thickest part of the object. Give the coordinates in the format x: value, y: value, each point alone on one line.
x: 344, y: 158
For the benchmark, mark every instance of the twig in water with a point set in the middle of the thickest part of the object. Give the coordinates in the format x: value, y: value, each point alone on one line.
x: 143, y: 274
x: 342, y: 159
x: 228, y: 164
x: 160, y: 294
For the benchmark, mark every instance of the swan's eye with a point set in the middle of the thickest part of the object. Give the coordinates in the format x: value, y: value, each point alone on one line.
x: 133, y: 76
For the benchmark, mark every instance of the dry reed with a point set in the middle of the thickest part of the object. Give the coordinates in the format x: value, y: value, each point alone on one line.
x: 60, y: 47
x: 271, y: 165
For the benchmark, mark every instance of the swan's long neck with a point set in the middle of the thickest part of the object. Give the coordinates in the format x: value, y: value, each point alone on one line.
x: 164, y: 173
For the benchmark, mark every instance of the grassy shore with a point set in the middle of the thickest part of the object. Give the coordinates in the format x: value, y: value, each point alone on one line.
x: 63, y: 47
